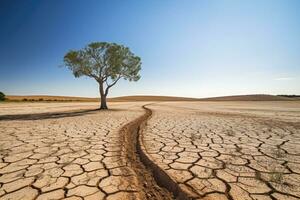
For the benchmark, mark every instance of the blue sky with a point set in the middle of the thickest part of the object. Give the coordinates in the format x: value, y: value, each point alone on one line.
x: 195, y: 48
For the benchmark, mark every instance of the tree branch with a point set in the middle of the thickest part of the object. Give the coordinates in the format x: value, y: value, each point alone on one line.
x: 96, y: 59
x: 112, y: 84
x: 95, y: 77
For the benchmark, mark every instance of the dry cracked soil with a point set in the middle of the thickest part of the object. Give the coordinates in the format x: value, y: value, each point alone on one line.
x: 155, y: 150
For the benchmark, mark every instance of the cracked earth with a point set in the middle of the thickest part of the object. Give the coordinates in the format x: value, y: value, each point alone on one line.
x: 171, y: 150
x: 227, y: 150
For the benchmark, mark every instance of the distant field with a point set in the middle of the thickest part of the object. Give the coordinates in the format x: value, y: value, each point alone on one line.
x: 86, y: 99
x: 49, y: 98
x: 152, y: 98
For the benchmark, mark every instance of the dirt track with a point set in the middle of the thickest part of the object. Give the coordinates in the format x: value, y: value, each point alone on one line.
x: 197, y: 150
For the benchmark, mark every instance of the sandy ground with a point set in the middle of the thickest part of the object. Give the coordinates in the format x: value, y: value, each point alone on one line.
x: 201, y: 150
x: 227, y: 150
x: 31, y: 108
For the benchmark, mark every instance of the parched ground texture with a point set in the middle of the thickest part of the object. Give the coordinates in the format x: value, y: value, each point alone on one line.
x: 210, y: 150
x: 71, y: 155
x: 228, y: 150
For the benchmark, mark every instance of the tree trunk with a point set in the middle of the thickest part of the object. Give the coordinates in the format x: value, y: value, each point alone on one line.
x: 103, y: 105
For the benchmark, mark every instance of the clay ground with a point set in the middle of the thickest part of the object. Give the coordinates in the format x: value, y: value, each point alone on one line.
x: 197, y: 150
x: 72, y: 151
x: 227, y: 150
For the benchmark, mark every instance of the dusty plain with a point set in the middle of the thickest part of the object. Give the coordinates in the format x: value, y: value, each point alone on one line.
x: 209, y: 150
x: 227, y: 150
x: 65, y: 150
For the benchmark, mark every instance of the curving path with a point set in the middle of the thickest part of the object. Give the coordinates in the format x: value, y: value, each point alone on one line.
x: 79, y: 154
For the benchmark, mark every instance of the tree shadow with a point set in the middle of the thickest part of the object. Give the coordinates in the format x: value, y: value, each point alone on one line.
x: 52, y: 115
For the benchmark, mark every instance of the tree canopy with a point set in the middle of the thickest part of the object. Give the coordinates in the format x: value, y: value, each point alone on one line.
x: 106, y: 62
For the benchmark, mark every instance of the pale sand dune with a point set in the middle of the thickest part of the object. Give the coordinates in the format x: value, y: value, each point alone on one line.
x: 254, y: 97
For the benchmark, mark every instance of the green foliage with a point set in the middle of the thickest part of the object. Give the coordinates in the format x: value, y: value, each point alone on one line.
x: 105, y: 62
x: 2, y: 96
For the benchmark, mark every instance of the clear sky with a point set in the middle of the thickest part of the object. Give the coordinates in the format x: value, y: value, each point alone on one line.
x: 190, y: 48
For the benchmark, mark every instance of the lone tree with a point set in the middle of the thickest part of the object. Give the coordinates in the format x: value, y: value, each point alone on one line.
x: 2, y: 96
x: 106, y: 62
